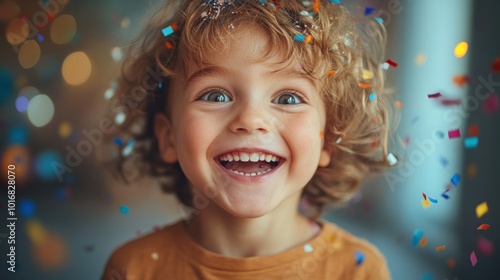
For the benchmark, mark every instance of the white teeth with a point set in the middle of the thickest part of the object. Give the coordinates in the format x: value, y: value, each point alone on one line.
x: 250, y: 174
x: 244, y: 157
x: 229, y: 157
x: 262, y: 157
x: 236, y: 157
x: 254, y: 157
x: 274, y: 158
x: 268, y: 158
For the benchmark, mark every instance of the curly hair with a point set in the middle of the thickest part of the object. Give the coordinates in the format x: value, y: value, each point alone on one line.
x: 342, y: 52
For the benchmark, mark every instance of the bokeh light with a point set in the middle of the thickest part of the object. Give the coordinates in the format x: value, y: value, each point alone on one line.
x: 65, y: 130
x: 63, y: 29
x: 29, y: 92
x: 17, y: 31
x: 52, y: 253
x: 117, y: 54
x: 18, y: 135
x: 8, y: 10
x: 40, y: 110
x: 420, y: 59
x: 44, y: 162
x: 29, y: 54
x: 22, y: 104
x: 17, y: 155
x: 27, y: 208
x: 461, y: 49
x: 6, y: 85
x: 76, y: 68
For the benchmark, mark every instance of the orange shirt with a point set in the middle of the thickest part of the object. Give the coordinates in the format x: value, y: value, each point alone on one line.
x: 171, y: 254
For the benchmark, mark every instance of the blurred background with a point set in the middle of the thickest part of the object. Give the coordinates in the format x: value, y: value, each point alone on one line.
x: 435, y: 216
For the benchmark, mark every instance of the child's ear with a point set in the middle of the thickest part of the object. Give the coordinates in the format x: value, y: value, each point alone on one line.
x: 166, y: 140
x: 324, y: 158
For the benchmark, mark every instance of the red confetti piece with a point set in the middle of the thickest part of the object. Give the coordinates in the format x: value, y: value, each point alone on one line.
x: 169, y: 45
x: 451, y: 263
x: 392, y: 63
x: 474, y: 130
x: 491, y: 104
x: 434, y: 95
x: 449, y: 102
x: 425, y: 196
x: 483, y: 227
x: 495, y: 67
x: 454, y: 133
x: 363, y: 85
x: 484, y: 247
x: 473, y: 258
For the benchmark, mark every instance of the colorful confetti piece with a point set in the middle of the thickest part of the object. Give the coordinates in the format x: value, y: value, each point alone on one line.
x: 366, y: 74
x: 331, y: 73
x: 461, y: 49
x: 124, y: 209
x: 434, y: 95
x: 308, y: 248
x: 167, y: 31
x: 391, y: 159
x: 450, y: 102
x: 481, y: 209
x: 369, y: 11
x: 379, y: 20
x: 484, y: 246
x: 473, y: 258
x: 372, y: 96
x: 491, y: 104
x: 364, y: 85
x: 423, y: 242
x: 440, y: 248
x: 432, y: 200
x: 451, y: 263
x: 299, y: 37
x: 473, y: 130
x: 455, y: 133
x: 417, y: 236
x: 392, y: 63
x: 455, y: 179
x: 398, y: 104
x: 360, y: 257
x: 461, y: 80
x: 471, y: 170
x: 425, y: 203
x: 471, y: 142
x: 495, y: 66
x: 483, y: 227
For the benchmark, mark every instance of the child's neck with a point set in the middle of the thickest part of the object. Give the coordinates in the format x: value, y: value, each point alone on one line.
x: 248, y: 237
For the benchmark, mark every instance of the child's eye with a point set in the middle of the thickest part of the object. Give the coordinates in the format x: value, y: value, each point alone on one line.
x: 288, y: 98
x: 215, y: 96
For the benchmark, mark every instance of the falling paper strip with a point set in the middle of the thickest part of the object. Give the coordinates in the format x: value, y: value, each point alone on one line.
x: 167, y: 31
x: 360, y: 257
x: 391, y: 159
x: 454, y: 133
x: 434, y: 95
x: 432, y: 200
x: 473, y: 258
x: 440, y: 248
x: 483, y: 227
x: 471, y: 142
x: 455, y: 180
x: 417, y: 236
x: 481, y: 209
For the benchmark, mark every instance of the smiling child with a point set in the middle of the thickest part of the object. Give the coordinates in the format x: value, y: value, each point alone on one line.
x: 260, y: 105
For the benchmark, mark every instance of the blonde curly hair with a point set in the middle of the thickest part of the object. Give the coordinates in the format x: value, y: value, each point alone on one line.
x: 343, y: 53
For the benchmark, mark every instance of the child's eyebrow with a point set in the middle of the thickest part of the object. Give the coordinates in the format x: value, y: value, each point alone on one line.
x: 281, y: 74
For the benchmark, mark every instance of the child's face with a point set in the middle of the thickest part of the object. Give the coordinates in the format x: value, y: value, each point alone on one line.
x: 245, y: 105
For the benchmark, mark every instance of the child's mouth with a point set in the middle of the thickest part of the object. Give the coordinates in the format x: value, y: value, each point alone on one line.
x: 254, y: 164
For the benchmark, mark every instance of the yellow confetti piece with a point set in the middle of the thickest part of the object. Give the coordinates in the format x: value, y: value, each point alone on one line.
x: 420, y: 59
x: 481, y: 209
x: 423, y: 242
x: 367, y: 74
x: 440, y: 248
x: 461, y: 49
x: 426, y: 203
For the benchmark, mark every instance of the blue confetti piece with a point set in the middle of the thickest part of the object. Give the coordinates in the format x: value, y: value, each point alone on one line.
x: 39, y: 37
x: 335, y: 1
x: 27, y: 208
x: 445, y: 196
x: 160, y: 85
x: 471, y: 142
x: 432, y: 199
x: 299, y: 37
x: 427, y: 276
x: 118, y: 142
x: 360, y: 257
x: 372, y: 96
x: 443, y: 161
x: 379, y: 20
x: 455, y: 179
x: 167, y: 31
x: 124, y: 209
x: 369, y: 11
x: 262, y: 2
x: 417, y: 236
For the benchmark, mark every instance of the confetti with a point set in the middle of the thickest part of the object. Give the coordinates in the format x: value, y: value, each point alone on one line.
x: 444, y: 195
x: 495, y: 67
x: 455, y: 179
x: 473, y: 258
x: 434, y: 95
x: 308, y: 248
x: 299, y: 37
x: 490, y: 105
x: 440, y: 248
x: 398, y: 104
x: 481, y: 209
x: 360, y: 257
x: 423, y: 242
x: 118, y: 141
x: 391, y: 159
x: 27, y: 208
x: 425, y: 203
x: 461, y: 49
x: 169, y: 45
x: 308, y: 39
x: 331, y: 73
x: 454, y: 133
x: 473, y: 130
x: 367, y: 74
x: 471, y: 142
x: 417, y: 236
x: 443, y: 161
x: 451, y: 263
x: 40, y: 37
x: 420, y: 59
x: 484, y: 246
x: 471, y: 170
x: 379, y: 20
x: 316, y: 6
x: 364, y: 85
x: 424, y: 195
x: 392, y: 63
x: 432, y: 200
x: 385, y: 66
x: 483, y: 227
x: 167, y: 31
x: 372, y: 96
x: 460, y: 80
x: 124, y: 209
x: 369, y: 11
x: 450, y: 102
x: 335, y: 1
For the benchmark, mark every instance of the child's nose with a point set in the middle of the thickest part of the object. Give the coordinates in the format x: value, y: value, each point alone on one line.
x: 251, y: 118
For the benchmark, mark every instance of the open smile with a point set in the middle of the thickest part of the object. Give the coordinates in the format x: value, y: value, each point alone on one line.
x: 249, y: 164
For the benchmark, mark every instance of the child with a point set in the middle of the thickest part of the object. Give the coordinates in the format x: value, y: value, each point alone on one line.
x: 259, y: 106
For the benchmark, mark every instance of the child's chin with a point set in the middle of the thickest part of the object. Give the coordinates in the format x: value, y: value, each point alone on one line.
x: 248, y: 211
